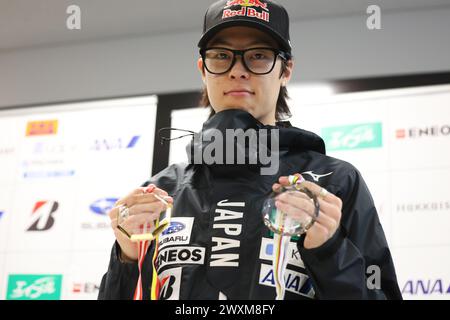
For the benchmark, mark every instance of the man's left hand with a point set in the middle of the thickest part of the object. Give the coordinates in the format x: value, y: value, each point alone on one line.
x: 329, y: 216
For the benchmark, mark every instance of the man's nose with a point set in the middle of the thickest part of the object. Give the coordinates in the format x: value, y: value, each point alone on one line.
x: 239, y: 70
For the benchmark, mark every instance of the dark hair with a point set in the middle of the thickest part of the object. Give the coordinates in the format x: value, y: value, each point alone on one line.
x: 282, y: 111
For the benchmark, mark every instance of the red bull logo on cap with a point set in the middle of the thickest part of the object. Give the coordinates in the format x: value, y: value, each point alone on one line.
x: 247, y: 9
x: 247, y: 3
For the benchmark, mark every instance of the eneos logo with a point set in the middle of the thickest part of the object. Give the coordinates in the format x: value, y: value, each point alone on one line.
x: 85, y: 287
x: 352, y: 137
x: 34, y: 287
x: 423, y: 132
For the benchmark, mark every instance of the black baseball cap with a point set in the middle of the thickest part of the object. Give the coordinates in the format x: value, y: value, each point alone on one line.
x: 265, y: 15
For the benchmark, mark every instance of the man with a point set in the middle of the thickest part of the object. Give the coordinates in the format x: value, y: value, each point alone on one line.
x: 217, y: 246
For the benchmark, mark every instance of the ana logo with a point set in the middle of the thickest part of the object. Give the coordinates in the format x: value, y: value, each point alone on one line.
x: 432, y: 131
x: 295, y: 282
x: 170, y: 284
x: 34, y: 287
x: 42, y: 215
x: 43, y: 127
x: 247, y: 9
x: 114, y: 144
x: 352, y: 137
x: 426, y: 287
x: 103, y: 206
x: 174, y: 228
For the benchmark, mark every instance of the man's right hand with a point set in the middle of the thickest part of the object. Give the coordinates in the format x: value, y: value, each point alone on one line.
x: 144, y: 207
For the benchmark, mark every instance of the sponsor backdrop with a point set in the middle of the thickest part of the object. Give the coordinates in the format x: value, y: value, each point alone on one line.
x: 400, y: 141
x: 62, y: 168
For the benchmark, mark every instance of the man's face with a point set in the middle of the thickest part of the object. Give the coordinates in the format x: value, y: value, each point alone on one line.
x: 239, y: 88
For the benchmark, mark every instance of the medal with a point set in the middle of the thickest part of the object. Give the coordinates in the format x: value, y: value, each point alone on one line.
x: 144, y: 235
x: 284, y: 226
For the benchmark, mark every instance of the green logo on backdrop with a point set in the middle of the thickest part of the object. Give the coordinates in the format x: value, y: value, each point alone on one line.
x: 359, y: 136
x: 34, y: 287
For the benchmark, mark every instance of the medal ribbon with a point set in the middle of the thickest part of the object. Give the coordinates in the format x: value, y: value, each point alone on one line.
x: 142, y: 251
x: 143, y: 246
x: 281, y: 244
x: 279, y: 261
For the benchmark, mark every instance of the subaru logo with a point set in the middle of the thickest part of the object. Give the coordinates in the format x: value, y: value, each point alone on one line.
x: 174, y: 227
x: 102, y: 206
x: 269, y: 249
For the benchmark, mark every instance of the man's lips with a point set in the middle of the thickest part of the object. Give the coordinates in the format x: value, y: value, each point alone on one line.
x: 239, y: 92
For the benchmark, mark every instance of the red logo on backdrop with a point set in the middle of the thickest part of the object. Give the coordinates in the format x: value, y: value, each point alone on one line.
x: 247, y: 9
x: 42, y: 215
x: 42, y: 127
x: 400, y: 133
x: 77, y: 287
x: 247, y: 3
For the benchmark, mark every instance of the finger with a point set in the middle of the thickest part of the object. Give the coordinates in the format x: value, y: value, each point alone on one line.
x: 133, y: 224
x: 294, y: 212
x: 153, y: 207
x: 113, y: 213
x: 330, y: 210
x: 284, y: 181
x: 329, y: 223
x: 145, y: 198
x: 154, y: 189
x: 317, y: 233
x: 299, y: 200
x: 136, y: 191
x: 276, y: 187
x: 295, y: 194
x: 330, y: 198
x: 114, y: 223
x: 143, y: 204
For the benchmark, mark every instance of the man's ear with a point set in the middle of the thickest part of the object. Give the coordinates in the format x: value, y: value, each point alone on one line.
x: 287, y: 74
x: 201, y: 69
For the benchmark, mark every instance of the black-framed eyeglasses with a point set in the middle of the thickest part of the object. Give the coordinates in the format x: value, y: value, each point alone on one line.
x: 258, y: 61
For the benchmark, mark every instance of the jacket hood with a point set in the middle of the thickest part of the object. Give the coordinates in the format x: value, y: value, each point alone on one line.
x: 289, y: 138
